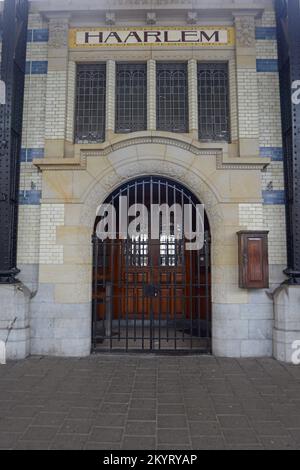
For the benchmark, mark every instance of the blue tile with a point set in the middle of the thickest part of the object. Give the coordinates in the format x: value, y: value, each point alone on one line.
x: 273, y: 197
x: 267, y: 65
x: 23, y: 155
x: 28, y: 68
x: 29, y: 35
x: 40, y: 35
x: 30, y: 198
x: 37, y: 67
x: 275, y: 153
x: 29, y: 154
x: 265, y: 32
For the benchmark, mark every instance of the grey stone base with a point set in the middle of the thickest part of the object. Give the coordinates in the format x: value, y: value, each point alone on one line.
x: 14, y: 312
x: 59, y: 329
x: 242, y: 330
x: 287, y: 322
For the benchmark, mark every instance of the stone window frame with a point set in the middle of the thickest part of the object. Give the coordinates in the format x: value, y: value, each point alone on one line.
x: 204, y: 55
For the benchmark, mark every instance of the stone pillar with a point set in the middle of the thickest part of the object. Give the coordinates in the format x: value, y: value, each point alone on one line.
x: 110, y: 95
x: 287, y: 322
x: 57, y: 82
x: 14, y: 320
x: 193, y: 97
x: 247, y: 87
x: 151, y: 90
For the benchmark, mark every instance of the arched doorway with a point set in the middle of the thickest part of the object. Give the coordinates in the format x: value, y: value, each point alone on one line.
x: 152, y: 294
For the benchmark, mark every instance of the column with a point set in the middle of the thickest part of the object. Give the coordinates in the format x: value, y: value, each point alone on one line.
x: 151, y: 95
x: 57, y: 82
x: 247, y: 87
x: 193, y: 97
x: 110, y: 96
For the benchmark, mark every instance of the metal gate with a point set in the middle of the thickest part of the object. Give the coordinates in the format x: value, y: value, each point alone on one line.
x: 151, y: 295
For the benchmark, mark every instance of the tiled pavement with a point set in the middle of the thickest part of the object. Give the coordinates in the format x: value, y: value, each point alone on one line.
x: 138, y: 402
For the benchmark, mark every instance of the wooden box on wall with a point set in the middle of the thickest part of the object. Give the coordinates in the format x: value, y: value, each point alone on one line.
x: 253, y: 260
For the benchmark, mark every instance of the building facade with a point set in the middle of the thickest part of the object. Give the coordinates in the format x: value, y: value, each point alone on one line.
x: 178, y: 93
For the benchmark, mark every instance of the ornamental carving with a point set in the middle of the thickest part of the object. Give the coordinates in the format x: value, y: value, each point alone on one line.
x: 245, y: 31
x: 58, y: 33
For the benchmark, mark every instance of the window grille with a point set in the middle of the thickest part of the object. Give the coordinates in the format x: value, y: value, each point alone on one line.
x: 90, y: 103
x: 172, y: 97
x: 131, y: 99
x: 213, y: 101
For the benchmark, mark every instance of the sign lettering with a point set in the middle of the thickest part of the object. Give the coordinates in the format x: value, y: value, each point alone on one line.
x: 170, y: 36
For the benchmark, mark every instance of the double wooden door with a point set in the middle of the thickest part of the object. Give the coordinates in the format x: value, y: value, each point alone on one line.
x: 151, y: 294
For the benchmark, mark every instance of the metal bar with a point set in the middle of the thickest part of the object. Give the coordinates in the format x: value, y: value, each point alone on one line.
x: 15, y: 18
x: 152, y: 268
x: 207, y: 291
x: 288, y: 20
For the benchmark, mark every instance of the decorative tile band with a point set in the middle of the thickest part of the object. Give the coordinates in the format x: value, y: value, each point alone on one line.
x: 37, y: 67
x: 30, y: 198
x: 267, y: 65
x: 37, y: 35
x: 275, y: 153
x: 265, y: 33
x: 29, y: 154
x: 273, y: 197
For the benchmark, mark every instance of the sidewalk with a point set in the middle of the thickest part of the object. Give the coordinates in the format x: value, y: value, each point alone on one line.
x: 148, y: 402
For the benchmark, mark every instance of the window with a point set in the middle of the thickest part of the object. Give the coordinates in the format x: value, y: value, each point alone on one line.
x: 90, y: 103
x: 213, y: 101
x: 131, y: 103
x: 172, y: 97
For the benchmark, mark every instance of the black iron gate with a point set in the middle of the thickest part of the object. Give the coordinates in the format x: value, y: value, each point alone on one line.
x: 14, y: 20
x: 151, y: 295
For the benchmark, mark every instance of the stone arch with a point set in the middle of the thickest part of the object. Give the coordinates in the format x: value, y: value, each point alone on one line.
x: 137, y: 163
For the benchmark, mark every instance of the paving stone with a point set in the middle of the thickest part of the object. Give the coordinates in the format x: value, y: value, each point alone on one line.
x: 269, y: 428
x: 76, y: 426
x: 116, y: 408
x: 163, y: 403
x: 171, y: 409
x: 141, y: 415
x: 233, y: 421
x: 103, y: 434
x: 140, y: 428
x: 240, y: 436
x: 208, y: 443
x: 32, y: 445
x: 139, y: 443
x: 68, y: 442
x: 101, y: 446
x: 173, y: 436
x: 172, y: 421
x: 50, y: 419
x: 40, y: 433
x: 8, y: 440
x: 278, y: 443
x: 14, y: 424
x: 204, y: 428
x: 110, y: 420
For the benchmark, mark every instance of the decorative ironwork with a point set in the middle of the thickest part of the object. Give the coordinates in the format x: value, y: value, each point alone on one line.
x: 288, y: 20
x: 90, y: 103
x: 213, y: 101
x: 151, y: 295
x: 131, y: 99
x: 14, y: 22
x: 172, y: 97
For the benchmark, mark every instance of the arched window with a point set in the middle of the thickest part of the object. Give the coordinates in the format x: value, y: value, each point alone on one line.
x: 131, y: 99
x: 172, y: 97
x: 90, y: 103
x: 213, y: 101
